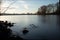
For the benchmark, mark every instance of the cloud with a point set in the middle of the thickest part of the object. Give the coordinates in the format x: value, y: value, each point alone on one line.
x: 14, y: 7
x: 25, y: 5
x: 22, y: 1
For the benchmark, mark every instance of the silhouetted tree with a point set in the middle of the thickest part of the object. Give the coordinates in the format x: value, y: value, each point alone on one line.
x: 43, y: 9
x: 49, y: 8
x: 38, y: 13
x: 9, y: 6
x: 58, y: 7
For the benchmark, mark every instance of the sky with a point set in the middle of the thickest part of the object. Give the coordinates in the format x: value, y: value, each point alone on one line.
x: 24, y: 6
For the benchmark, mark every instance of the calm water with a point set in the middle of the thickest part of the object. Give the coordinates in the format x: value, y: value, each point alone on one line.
x: 47, y: 27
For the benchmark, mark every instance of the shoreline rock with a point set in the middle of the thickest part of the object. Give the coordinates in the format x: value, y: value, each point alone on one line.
x: 5, y: 32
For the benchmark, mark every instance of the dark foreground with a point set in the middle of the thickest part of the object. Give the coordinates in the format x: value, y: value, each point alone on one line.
x: 6, y: 32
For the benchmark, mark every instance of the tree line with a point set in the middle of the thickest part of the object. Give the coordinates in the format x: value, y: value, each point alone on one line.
x: 49, y: 9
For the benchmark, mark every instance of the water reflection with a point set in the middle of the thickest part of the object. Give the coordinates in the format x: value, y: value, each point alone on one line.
x: 58, y: 20
x: 44, y: 18
x: 39, y: 26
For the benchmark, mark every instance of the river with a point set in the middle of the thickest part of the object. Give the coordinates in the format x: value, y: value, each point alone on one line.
x: 46, y: 26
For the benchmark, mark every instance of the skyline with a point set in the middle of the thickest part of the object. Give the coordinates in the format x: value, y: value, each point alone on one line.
x: 24, y: 6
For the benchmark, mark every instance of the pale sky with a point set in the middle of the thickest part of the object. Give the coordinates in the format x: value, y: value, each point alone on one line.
x: 24, y: 6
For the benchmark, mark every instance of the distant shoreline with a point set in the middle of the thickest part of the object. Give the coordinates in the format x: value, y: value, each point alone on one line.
x: 30, y: 14
x: 35, y: 14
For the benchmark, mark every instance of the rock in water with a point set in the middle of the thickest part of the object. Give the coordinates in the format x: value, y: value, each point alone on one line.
x: 25, y: 31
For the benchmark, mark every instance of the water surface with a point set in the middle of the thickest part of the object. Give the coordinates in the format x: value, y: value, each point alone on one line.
x: 47, y: 27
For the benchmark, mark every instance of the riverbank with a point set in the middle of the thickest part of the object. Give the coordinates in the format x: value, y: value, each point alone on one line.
x: 6, y: 32
x: 34, y: 14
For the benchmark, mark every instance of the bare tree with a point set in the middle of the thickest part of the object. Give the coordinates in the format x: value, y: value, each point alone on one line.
x: 58, y: 7
x: 49, y: 7
x: 9, y: 6
x: 43, y: 9
x: 39, y: 11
